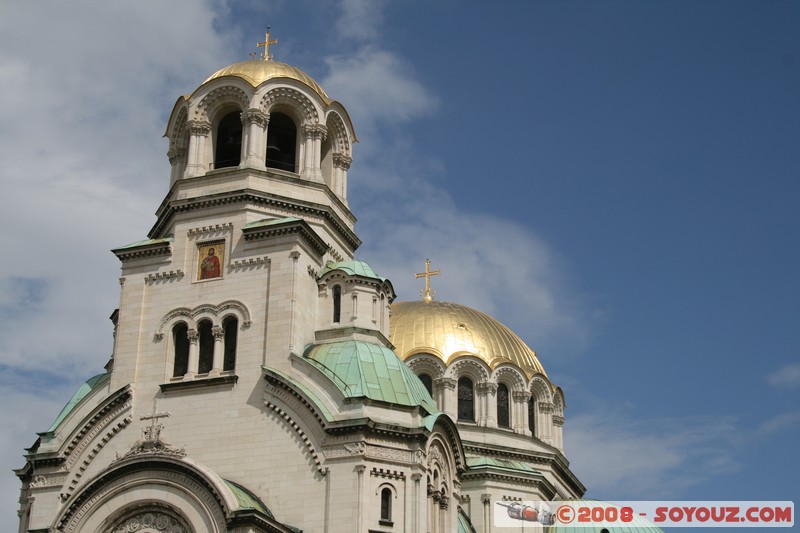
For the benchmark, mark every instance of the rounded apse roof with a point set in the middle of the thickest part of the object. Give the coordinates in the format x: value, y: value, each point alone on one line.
x: 257, y: 71
x: 447, y: 330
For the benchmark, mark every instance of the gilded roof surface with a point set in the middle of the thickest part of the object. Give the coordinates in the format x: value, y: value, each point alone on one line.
x: 257, y: 71
x: 449, y: 330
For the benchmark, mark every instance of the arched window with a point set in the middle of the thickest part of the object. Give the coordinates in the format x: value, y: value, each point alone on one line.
x: 206, y: 362
x: 466, y: 400
x: 229, y: 141
x: 503, y: 418
x: 231, y: 326
x: 386, y: 505
x: 532, y: 416
x: 180, y: 339
x: 428, y: 382
x: 281, y: 142
x: 337, y: 303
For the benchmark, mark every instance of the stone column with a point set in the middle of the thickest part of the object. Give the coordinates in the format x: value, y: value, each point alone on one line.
x: 448, y: 402
x: 177, y: 160
x: 486, y: 499
x: 254, y: 124
x: 520, y: 411
x: 194, y: 340
x: 487, y: 395
x: 219, y: 350
x: 544, y: 411
x: 558, y: 423
x: 314, y: 134
x: 197, y: 162
x: 341, y: 164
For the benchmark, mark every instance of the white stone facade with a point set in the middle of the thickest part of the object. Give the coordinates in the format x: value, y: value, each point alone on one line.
x: 250, y: 434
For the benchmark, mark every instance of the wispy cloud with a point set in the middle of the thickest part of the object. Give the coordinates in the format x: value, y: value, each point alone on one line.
x: 621, y: 457
x: 786, y: 377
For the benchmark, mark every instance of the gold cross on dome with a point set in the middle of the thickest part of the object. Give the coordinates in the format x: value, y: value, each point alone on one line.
x: 427, y: 294
x: 267, y: 41
x: 153, y: 433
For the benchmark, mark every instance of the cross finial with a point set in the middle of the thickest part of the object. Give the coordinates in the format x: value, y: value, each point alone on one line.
x: 153, y: 433
x: 265, y: 43
x: 427, y: 294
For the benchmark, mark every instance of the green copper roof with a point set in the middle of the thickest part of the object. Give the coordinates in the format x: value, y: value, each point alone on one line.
x: 502, y: 464
x: 248, y: 500
x: 146, y: 242
x: 80, y: 394
x: 464, y: 524
x: 362, y: 369
x: 354, y: 268
x: 270, y: 222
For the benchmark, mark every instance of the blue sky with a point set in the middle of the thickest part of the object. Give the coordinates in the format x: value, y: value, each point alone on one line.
x: 617, y: 182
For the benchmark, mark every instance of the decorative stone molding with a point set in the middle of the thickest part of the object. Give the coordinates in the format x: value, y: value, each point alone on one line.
x: 558, y: 420
x: 292, y: 98
x: 339, y: 136
x: 214, y: 310
x: 469, y: 368
x: 427, y: 364
x: 255, y: 116
x: 249, y: 263
x: 199, y: 127
x: 206, y: 230
x: 152, y: 522
x: 172, y: 275
x: 220, y: 96
x: 176, y: 155
x: 387, y: 474
x: 486, y: 388
x: 55, y: 479
x: 342, y: 161
x: 545, y: 407
x: 390, y: 454
x: 289, y: 421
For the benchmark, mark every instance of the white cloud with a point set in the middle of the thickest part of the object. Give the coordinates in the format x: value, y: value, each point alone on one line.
x: 620, y: 457
x: 360, y: 19
x: 786, y: 377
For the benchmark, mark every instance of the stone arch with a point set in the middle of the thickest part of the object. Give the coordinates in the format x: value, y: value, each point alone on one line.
x: 338, y: 134
x: 215, y: 313
x: 469, y: 366
x: 227, y: 96
x: 193, y: 496
x: 540, y: 389
x: 292, y: 99
x: 510, y: 376
x: 558, y: 402
x: 423, y: 363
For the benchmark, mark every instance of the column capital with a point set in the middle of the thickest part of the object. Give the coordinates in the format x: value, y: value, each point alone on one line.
x: 445, y: 383
x: 199, y: 127
x: 521, y: 395
x: 218, y: 333
x: 486, y: 388
x: 255, y: 116
x: 342, y: 161
x: 175, y: 155
x: 315, y: 131
x: 193, y: 335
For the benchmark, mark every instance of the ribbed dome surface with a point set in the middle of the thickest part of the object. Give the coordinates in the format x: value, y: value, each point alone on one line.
x: 449, y: 330
x: 257, y: 71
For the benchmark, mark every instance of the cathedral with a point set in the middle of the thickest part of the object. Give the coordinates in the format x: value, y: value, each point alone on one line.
x: 263, y: 380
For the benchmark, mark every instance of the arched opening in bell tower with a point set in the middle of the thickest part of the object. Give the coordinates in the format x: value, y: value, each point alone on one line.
x: 228, y: 151
x: 281, y: 142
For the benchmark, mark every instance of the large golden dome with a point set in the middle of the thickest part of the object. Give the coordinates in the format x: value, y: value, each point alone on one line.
x: 257, y: 71
x: 449, y: 330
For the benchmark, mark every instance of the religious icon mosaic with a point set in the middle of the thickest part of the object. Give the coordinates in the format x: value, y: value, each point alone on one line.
x: 210, y: 259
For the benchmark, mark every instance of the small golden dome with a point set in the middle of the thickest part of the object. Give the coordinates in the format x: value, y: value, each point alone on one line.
x: 257, y: 71
x: 449, y: 330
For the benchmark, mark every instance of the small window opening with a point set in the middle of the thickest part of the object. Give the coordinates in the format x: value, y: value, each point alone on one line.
x: 427, y: 381
x: 386, y: 505
x: 466, y: 400
x: 281, y: 142
x: 206, y: 347
x: 337, y: 304
x: 229, y: 141
x: 503, y: 418
x: 231, y: 326
x: 180, y: 338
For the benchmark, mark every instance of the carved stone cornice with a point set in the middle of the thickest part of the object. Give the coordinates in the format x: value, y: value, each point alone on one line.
x: 199, y: 127
x: 155, y: 249
x: 255, y: 116
x: 342, y: 161
x: 486, y: 388
x: 172, y: 275
x: 291, y: 227
x: 446, y: 383
x: 315, y: 131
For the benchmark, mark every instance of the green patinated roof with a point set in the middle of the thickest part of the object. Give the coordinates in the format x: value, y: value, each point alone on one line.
x: 362, y: 369
x: 248, y: 500
x: 502, y: 464
x: 270, y: 222
x: 464, y: 524
x: 313, y: 398
x: 80, y: 394
x: 354, y: 268
x: 146, y: 242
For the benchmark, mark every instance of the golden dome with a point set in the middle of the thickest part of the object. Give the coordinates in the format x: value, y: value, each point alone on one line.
x: 257, y: 71
x: 449, y: 330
